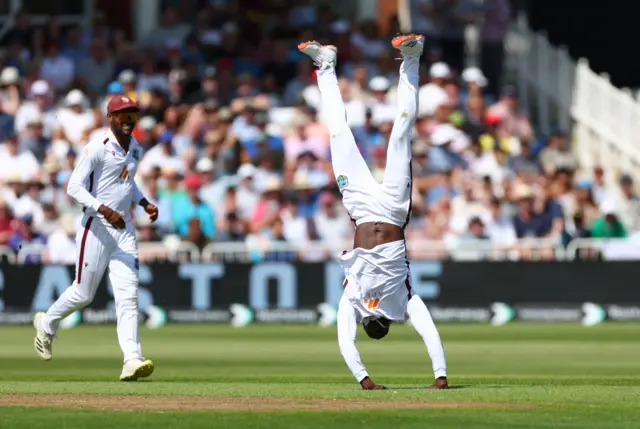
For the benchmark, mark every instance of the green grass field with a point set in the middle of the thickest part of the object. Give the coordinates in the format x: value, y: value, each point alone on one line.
x: 515, y: 376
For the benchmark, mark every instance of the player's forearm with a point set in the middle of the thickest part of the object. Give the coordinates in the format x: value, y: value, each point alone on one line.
x: 81, y: 196
x: 347, y: 329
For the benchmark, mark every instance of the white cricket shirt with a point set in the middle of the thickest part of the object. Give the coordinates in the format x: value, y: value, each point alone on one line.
x: 104, y: 175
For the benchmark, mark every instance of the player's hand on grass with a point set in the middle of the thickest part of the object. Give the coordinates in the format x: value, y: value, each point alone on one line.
x: 152, y: 211
x: 112, y: 216
x: 368, y: 384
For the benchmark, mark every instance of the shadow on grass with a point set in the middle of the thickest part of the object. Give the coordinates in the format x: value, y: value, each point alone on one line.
x: 459, y: 386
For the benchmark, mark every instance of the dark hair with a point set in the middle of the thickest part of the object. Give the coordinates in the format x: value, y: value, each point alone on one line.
x: 377, y: 328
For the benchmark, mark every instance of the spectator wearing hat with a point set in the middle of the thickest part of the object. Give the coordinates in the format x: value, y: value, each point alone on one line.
x: 433, y: 93
x: 145, y: 133
x: 190, y: 207
x: 381, y: 109
x: 57, y: 69
x: 12, y: 160
x: 208, y: 87
x: 38, y: 106
x: 268, y: 206
x: 127, y: 78
x: 499, y: 228
x: 162, y: 155
x: 514, y: 121
x: 176, y: 91
x: 75, y: 119
x: 332, y: 222
x: 247, y: 195
x: 628, y: 204
x: 298, y: 140
x: 27, y: 242
x: 244, y: 126
x: 29, y: 202
x: 475, y: 82
x: 34, y: 140
x: 608, y: 224
x: 557, y: 154
x: 10, y: 81
x: 265, y: 142
x: 535, y: 216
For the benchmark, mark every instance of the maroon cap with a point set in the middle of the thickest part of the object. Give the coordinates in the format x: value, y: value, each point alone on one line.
x: 121, y: 102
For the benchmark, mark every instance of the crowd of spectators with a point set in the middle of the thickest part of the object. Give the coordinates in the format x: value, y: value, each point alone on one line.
x: 235, y: 149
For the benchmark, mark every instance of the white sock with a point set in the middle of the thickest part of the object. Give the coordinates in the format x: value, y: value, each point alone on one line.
x: 423, y: 323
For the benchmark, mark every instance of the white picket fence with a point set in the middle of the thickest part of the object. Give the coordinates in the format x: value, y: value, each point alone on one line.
x: 559, y: 91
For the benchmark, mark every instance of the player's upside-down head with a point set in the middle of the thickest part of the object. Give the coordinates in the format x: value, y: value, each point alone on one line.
x: 376, y: 328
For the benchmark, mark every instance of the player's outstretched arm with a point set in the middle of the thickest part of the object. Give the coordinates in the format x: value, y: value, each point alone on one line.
x: 347, y: 330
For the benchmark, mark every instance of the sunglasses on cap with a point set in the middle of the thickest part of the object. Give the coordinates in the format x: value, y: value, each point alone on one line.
x: 126, y: 116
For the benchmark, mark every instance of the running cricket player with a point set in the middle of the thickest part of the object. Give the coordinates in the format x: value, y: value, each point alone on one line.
x: 102, y: 182
x: 377, y: 289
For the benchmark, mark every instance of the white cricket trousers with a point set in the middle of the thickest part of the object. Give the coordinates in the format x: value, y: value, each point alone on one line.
x: 365, y: 199
x: 368, y: 201
x: 100, y: 246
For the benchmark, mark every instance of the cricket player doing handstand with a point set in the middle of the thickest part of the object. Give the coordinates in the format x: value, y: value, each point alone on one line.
x: 377, y: 289
x: 102, y: 182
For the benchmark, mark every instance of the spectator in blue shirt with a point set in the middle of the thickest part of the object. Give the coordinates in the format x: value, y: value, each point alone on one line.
x: 27, y: 242
x: 263, y: 138
x: 189, y: 207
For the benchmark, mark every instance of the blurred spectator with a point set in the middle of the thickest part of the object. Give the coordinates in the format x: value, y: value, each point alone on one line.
x: 497, y: 14
x: 40, y: 108
x: 57, y: 69
x: 432, y: 95
x: 184, y: 210
x: 499, y: 228
x: 332, y: 223
x: 34, y: 141
x: 557, y: 154
x: 12, y: 160
x: 513, y: 121
x: 7, y: 224
x: 629, y: 204
x: 608, y: 225
x: 62, y: 244
x: 96, y: 70
x: 27, y: 242
x: 76, y: 119
x: 275, y: 236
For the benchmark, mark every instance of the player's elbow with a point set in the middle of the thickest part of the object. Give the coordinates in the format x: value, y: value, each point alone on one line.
x: 72, y: 190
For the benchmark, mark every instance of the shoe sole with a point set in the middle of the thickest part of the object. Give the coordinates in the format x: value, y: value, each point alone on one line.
x: 398, y: 41
x: 144, y: 370
x: 304, y: 45
x: 35, y: 340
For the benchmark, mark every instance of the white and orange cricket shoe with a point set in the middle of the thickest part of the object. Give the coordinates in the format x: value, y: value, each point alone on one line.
x: 322, y: 56
x: 43, y: 343
x: 410, y: 44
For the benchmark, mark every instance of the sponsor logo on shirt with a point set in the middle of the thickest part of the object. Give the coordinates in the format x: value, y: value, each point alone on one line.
x: 343, y: 182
